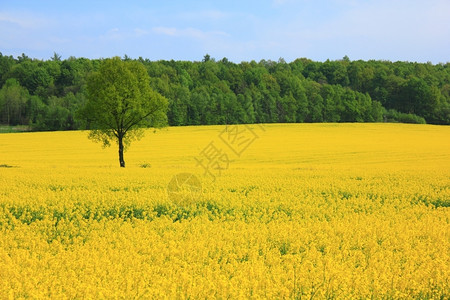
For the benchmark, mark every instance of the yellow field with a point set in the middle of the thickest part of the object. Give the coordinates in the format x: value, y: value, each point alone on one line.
x: 303, y: 211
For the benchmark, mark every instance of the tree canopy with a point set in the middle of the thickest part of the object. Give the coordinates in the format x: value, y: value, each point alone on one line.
x: 213, y: 91
x: 120, y: 103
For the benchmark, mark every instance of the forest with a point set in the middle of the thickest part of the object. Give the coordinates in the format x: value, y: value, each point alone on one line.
x: 47, y: 94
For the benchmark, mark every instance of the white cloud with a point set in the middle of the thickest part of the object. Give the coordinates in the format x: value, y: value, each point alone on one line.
x: 140, y: 32
x: 113, y: 34
x: 187, y: 32
x: 403, y: 30
x: 281, y: 2
x: 317, y: 29
x: 209, y: 15
x: 24, y: 20
x: 20, y: 32
x: 165, y: 30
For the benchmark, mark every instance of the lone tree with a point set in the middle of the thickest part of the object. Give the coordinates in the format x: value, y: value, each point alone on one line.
x: 120, y: 103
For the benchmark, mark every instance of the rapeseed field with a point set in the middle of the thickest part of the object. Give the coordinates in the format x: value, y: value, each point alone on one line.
x: 274, y: 211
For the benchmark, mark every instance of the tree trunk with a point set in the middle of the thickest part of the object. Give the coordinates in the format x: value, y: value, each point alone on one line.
x: 121, y: 161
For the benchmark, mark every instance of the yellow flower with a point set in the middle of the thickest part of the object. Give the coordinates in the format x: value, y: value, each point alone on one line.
x: 307, y: 210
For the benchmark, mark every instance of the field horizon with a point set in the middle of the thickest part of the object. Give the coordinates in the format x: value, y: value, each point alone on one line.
x: 168, y: 137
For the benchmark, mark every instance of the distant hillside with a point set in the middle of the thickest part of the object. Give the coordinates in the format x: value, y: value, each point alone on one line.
x: 46, y: 95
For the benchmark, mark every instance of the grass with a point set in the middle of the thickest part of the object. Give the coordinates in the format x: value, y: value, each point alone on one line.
x: 12, y: 129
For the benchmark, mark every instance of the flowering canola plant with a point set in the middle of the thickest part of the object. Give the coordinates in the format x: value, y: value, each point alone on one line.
x: 306, y: 211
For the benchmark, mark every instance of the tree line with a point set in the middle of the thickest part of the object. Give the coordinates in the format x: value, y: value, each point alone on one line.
x: 47, y: 94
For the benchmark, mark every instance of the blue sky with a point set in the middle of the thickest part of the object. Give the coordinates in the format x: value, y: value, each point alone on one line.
x: 406, y: 30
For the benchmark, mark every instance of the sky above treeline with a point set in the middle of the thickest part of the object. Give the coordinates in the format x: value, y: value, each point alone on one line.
x: 395, y: 30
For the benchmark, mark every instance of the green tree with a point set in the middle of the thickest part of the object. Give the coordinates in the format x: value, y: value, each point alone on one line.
x: 332, y: 95
x: 6, y: 63
x: 246, y: 102
x: 54, y: 116
x: 335, y: 72
x: 120, y: 103
x: 315, y: 102
x: 56, y: 57
x: 223, y: 92
x: 287, y: 108
x: 419, y: 98
x: 13, y: 101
